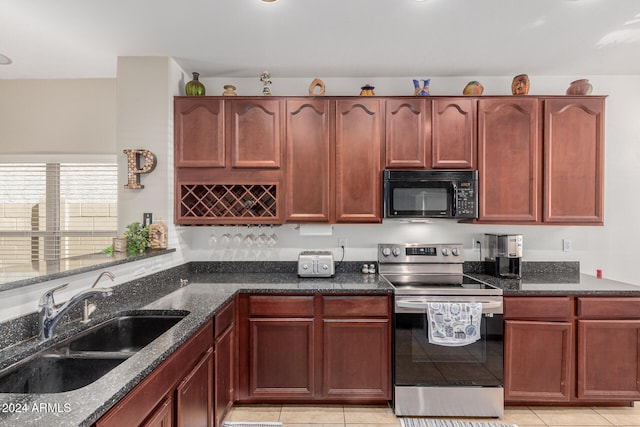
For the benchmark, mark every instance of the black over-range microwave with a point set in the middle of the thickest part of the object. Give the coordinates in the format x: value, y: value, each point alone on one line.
x: 430, y: 194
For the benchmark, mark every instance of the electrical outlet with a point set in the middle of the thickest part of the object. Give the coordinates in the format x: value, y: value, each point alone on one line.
x: 566, y: 245
x: 342, y: 242
x: 476, y: 244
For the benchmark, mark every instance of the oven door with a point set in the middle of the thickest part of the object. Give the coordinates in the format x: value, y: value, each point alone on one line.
x: 419, y: 199
x: 420, y: 363
x: 438, y: 380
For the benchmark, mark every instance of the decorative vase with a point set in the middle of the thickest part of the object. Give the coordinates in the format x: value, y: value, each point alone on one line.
x: 367, y: 90
x: 580, y: 87
x: 421, y: 91
x: 195, y: 86
x: 229, y: 90
x: 473, y: 88
x: 520, y: 85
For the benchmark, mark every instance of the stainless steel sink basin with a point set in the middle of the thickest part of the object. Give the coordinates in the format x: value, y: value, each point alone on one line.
x: 85, y: 357
x: 126, y: 334
x: 54, y: 373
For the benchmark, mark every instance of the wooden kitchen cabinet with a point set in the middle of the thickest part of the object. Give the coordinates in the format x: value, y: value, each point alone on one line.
x: 408, y: 133
x: 357, y: 348
x: 309, y: 160
x: 169, y: 388
x: 509, y: 160
x: 279, y: 347
x: 228, y: 160
x: 574, y: 160
x: 538, y: 349
x: 358, y: 160
x: 314, y: 348
x: 194, y: 395
x: 162, y: 416
x: 454, y: 133
x: 574, y: 349
x: 608, y: 348
x: 334, y: 160
x: 199, y: 139
x: 224, y: 362
x: 255, y: 132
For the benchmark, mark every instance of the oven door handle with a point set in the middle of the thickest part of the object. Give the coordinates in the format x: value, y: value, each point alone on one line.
x: 487, y: 306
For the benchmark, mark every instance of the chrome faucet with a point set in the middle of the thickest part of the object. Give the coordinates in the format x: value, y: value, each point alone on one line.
x: 90, y: 308
x: 49, y: 316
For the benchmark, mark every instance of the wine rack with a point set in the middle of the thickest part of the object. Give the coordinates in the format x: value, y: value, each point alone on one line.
x: 229, y: 201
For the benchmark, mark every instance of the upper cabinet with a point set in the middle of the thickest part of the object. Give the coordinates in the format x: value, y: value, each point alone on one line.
x: 574, y: 160
x: 541, y: 160
x: 309, y: 154
x: 408, y: 133
x: 270, y: 160
x: 199, y: 132
x: 255, y: 133
x: 454, y: 133
x: 509, y: 155
x: 358, y: 160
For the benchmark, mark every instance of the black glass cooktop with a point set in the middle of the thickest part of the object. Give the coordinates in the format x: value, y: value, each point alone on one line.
x: 440, y: 284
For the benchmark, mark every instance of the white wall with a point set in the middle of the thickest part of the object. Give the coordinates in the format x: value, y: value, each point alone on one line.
x: 57, y: 116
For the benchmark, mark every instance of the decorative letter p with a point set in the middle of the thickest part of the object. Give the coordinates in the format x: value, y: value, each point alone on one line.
x: 134, y: 170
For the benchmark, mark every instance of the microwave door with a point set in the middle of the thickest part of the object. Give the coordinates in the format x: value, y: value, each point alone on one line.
x: 420, y: 200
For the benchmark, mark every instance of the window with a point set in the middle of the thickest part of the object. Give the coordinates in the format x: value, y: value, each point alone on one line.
x: 53, y: 212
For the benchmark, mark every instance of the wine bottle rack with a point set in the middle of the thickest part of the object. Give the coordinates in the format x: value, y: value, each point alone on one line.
x: 228, y: 201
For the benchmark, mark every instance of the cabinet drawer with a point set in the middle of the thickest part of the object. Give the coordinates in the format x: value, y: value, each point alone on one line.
x: 609, y: 308
x: 349, y: 306
x: 547, y: 308
x: 283, y: 306
x: 224, y: 319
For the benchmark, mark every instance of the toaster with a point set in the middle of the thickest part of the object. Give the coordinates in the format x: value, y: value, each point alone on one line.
x: 316, y: 264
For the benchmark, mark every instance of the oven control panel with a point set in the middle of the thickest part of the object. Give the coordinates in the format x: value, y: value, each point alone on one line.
x: 420, y: 253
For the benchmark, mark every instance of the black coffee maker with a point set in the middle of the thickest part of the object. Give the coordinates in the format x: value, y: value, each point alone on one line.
x: 503, y: 255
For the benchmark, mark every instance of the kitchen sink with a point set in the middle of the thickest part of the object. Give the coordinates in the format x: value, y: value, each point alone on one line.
x: 85, y: 357
x: 126, y: 334
x: 54, y: 373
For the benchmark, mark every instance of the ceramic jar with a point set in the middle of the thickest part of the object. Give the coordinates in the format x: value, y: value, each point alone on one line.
x: 580, y: 87
x: 229, y: 90
x: 473, y: 88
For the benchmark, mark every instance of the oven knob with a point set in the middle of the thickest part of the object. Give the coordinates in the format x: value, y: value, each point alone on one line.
x: 396, y: 251
x: 445, y: 251
x: 386, y: 251
x: 455, y: 252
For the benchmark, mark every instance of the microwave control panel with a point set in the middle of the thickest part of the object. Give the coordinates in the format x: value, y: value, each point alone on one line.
x: 466, y: 200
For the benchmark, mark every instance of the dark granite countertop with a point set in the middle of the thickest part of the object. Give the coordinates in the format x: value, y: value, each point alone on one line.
x: 208, y: 289
x: 210, y: 286
x: 583, y: 284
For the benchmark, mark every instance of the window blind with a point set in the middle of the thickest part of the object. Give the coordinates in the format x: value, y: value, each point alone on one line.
x: 54, y: 211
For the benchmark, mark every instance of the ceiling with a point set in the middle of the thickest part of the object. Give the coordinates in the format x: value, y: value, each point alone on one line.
x: 323, y: 38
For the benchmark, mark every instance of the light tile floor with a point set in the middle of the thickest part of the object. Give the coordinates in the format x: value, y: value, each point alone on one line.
x: 382, y: 416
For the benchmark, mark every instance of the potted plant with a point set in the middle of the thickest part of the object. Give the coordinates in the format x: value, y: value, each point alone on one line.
x: 137, y: 238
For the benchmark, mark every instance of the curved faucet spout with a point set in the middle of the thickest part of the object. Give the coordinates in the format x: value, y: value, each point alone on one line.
x: 50, y: 316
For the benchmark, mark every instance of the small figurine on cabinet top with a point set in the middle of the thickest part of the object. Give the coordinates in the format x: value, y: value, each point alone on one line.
x: 265, y: 78
x: 229, y: 90
x: 421, y: 91
x: 520, y: 85
x: 316, y: 83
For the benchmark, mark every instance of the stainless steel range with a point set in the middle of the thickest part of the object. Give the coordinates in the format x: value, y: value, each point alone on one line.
x: 448, y: 333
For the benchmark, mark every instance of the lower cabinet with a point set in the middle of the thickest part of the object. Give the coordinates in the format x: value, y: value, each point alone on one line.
x: 297, y: 348
x: 608, y: 349
x: 224, y: 362
x: 194, y: 395
x: 572, y: 349
x: 178, y: 392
